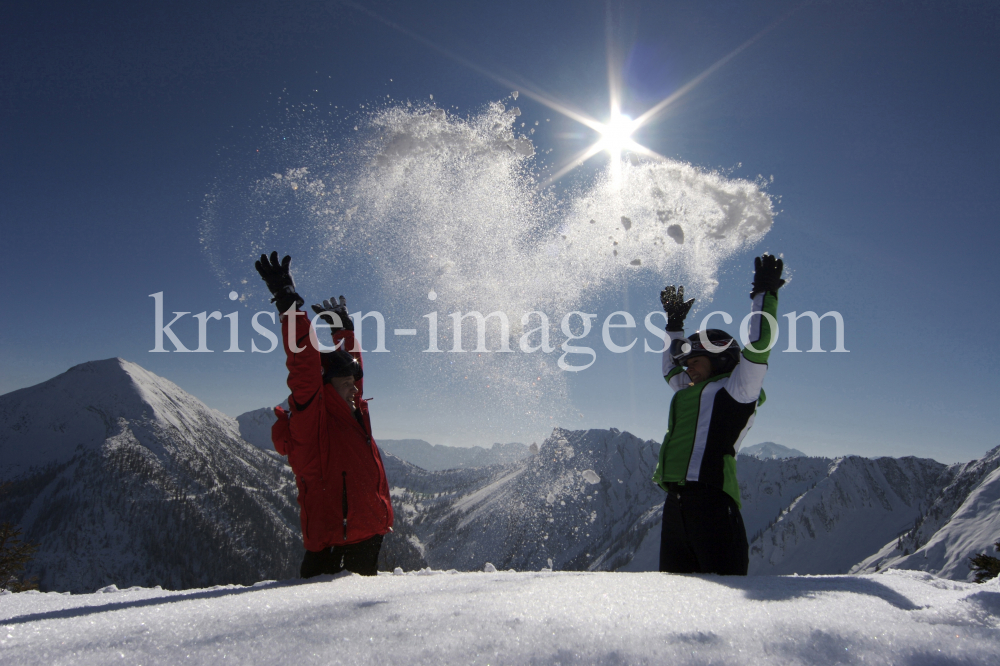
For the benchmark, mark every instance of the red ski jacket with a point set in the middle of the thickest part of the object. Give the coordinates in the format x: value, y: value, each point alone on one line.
x: 343, y: 492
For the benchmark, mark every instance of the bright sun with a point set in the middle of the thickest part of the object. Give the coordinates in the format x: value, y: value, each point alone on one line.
x: 616, y: 137
x: 616, y: 134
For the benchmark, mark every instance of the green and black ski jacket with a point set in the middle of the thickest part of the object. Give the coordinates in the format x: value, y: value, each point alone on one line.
x: 709, y: 420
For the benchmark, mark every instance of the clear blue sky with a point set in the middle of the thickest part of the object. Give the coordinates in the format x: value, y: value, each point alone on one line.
x: 877, y: 121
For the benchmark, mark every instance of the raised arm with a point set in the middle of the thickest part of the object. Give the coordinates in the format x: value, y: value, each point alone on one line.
x: 305, y: 376
x: 305, y: 371
x: 748, y: 377
x: 677, y: 309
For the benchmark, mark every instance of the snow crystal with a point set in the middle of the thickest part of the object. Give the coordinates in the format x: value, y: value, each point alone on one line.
x: 590, y: 476
x: 524, y: 147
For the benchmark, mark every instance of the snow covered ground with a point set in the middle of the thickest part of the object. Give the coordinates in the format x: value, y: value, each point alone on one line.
x: 897, y: 617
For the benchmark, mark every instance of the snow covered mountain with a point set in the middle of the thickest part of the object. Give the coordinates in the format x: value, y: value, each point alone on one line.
x: 824, y: 516
x: 817, y: 515
x: 770, y: 450
x: 124, y: 478
x: 578, y: 504
x: 803, y: 515
x: 963, y: 519
x: 585, y: 501
x: 255, y: 426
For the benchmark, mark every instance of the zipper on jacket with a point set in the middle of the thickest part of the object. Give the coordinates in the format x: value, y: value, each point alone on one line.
x: 378, y: 463
x: 386, y: 503
x: 368, y: 438
x: 344, y: 503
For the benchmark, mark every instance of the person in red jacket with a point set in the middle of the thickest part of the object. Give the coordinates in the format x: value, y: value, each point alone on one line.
x: 344, y: 502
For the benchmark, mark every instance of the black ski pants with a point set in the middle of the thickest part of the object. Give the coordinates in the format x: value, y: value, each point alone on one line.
x: 702, y: 532
x: 361, y: 558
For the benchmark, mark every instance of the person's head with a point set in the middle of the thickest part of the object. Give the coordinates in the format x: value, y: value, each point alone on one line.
x: 345, y: 387
x: 704, y: 361
x: 341, y: 371
x: 699, y: 368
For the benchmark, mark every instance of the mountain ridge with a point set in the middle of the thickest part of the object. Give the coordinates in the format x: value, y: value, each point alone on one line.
x: 123, y: 478
x: 963, y: 519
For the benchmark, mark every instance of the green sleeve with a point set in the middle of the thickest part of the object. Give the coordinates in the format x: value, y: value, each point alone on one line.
x: 763, y: 330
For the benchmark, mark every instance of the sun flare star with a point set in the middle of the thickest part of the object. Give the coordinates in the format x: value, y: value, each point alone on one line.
x: 615, y: 138
x: 616, y: 134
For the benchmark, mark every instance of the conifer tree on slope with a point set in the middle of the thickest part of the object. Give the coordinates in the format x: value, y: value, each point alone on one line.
x: 985, y: 566
x: 15, y: 556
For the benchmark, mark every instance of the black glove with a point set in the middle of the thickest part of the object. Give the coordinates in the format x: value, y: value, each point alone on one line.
x: 767, y: 274
x: 340, y: 309
x: 279, y: 281
x: 675, y: 307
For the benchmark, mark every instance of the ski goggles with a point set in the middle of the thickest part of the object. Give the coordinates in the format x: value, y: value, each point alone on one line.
x: 682, y: 348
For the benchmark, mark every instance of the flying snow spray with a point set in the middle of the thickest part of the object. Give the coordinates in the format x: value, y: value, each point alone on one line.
x: 417, y: 201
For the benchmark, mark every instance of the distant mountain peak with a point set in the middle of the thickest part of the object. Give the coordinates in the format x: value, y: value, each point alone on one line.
x: 124, y: 478
x: 770, y: 451
x: 46, y: 423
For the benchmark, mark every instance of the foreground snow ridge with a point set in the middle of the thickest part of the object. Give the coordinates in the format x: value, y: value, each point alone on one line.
x: 438, y: 617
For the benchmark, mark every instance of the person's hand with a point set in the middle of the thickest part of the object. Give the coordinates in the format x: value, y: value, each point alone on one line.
x: 767, y: 274
x: 338, y: 308
x: 675, y: 306
x: 279, y: 281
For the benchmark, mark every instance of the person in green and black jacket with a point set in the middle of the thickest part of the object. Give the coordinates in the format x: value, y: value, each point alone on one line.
x: 718, y: 389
